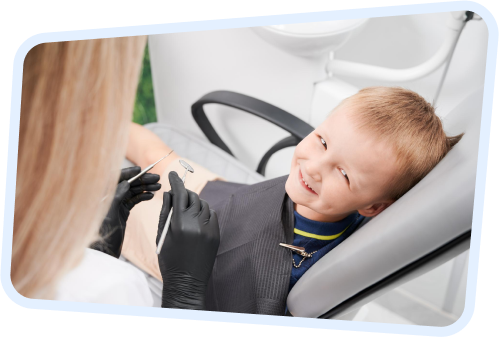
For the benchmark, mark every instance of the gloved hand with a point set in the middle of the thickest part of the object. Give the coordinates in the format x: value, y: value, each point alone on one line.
x: 112, y: 230
x: 188, y: 254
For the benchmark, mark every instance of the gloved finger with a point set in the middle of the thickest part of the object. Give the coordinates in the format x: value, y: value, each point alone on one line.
x: 178, y: 191
x: 121, y: 190
x: 163, y: 215
x: 204, y: 212
x: 194, y: 202
x: 129, y: 172
x: 138, y: 199
x: 145, y: 188
x: 147, y: 178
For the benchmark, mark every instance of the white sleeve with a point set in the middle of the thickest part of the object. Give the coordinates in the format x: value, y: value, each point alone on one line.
x: 101, y: 278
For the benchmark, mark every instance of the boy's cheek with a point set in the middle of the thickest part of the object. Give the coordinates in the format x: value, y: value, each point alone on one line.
x: 288, y: 184
x: 290, y: 188
x: 301, y: 148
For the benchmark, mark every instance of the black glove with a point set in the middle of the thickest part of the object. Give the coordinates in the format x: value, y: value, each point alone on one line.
x: 188, y: 254
x: 112, y: 230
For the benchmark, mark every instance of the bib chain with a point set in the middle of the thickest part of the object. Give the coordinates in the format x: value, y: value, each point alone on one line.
x: 304, y: 257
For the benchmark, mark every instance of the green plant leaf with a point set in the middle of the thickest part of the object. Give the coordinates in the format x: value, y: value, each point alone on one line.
x: 145, y: 109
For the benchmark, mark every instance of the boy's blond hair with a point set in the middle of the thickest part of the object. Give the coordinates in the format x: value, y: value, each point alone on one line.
x: 408, y: 122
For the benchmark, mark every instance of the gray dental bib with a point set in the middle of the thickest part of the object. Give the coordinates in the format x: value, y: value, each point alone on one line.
x: 251, y: 272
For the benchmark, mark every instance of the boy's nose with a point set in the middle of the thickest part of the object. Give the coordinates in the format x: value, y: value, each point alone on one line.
x: 313, y: 169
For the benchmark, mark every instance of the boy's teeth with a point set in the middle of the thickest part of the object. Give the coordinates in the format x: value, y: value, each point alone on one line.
x: 307, y: 185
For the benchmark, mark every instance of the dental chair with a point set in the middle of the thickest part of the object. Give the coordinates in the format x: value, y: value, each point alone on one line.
x: 427, y: 227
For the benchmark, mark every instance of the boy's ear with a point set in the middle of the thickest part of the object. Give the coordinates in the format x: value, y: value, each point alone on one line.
x: 375, y: 209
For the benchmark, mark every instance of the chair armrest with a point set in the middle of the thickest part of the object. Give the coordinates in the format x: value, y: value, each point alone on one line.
x: 295, y: 126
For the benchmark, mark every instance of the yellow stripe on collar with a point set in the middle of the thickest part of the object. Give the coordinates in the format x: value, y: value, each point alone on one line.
x: 319, y: 237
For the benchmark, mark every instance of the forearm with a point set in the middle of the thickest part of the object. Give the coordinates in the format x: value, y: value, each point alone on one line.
x: 145, y: 147
x: 139, y: 140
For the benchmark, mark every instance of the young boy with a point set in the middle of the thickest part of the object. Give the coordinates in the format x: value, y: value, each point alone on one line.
x: 373, y: 148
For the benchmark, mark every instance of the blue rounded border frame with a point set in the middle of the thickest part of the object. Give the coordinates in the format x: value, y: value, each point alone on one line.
x: 22, y: 316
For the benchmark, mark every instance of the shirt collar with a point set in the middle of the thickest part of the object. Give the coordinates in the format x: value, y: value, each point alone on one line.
x: 323, y: 228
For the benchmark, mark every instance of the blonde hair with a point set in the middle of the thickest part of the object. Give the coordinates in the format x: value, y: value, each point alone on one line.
x: 408, y: 122
x: 77, y: 101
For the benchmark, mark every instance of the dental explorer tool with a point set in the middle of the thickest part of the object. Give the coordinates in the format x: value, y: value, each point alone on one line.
x: 169, y: 219
x: 144, y: 171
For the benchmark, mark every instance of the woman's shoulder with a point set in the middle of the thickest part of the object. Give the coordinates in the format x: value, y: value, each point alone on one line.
x: 100, y: 278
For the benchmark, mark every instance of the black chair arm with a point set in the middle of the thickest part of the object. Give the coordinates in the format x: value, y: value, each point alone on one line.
x: 295, y: 126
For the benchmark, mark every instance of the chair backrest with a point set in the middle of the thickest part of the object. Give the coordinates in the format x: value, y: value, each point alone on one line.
x: 427, y: 226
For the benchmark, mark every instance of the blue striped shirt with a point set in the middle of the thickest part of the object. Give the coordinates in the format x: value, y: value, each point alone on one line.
x: 321, y: 237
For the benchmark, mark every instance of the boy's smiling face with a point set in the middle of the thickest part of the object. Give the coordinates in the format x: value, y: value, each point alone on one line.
x: 346, y: 170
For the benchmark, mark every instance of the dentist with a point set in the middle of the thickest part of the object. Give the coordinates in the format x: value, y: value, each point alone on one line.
x: 76, y: 107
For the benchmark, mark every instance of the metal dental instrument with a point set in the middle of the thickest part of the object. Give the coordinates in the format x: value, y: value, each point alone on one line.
x: 147, y: 169
x: 188, y: 168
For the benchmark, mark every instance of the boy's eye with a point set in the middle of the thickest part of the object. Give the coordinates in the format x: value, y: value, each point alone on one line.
x: 345, y: 174
x: 323, y: 142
